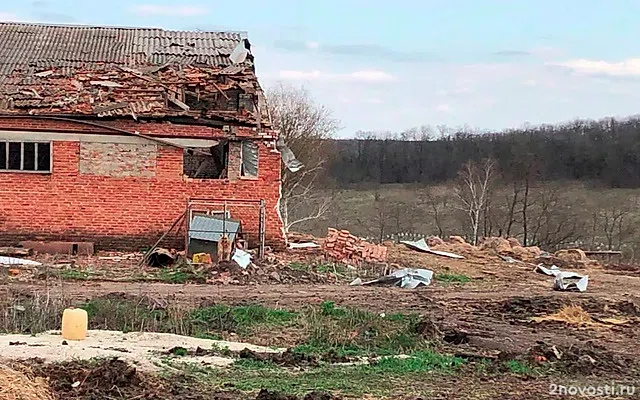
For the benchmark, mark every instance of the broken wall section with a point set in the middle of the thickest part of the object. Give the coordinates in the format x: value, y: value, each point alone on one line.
x: 228, y: 94
x: 118, y: 160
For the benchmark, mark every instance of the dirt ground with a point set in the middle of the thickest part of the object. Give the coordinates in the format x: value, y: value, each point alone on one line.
x: 500, y: 313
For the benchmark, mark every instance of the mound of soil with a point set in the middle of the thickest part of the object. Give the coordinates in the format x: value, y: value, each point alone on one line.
x: 584, y: 358
x: 290, y: 358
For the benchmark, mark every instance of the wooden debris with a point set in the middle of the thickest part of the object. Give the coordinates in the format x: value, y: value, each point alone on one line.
x: 179, y: 103
x: 44, y: 74
x: 106, y: 84
x: 15, y: 251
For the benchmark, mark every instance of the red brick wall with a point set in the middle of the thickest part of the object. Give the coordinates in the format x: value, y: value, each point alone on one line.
x: 160, y: 129
x: 124, y: 212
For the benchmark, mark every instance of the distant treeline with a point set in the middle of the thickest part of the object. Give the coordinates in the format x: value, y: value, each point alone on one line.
x: 605, y: 151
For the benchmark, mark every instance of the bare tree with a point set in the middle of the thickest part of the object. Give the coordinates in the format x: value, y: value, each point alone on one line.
x: 306, y: 127
x: 474, y: 183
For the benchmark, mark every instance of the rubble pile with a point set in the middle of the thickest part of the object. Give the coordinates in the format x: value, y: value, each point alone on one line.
x: 565, y: 258
x: 511, y: 247
x: 344, y: 247
x: 110, y: 90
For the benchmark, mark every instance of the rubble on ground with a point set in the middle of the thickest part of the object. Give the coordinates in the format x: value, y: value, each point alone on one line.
x: 344, y: 247
x: 510, y: 247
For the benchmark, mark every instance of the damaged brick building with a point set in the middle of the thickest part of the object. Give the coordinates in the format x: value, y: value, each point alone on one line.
x: 106, y: 133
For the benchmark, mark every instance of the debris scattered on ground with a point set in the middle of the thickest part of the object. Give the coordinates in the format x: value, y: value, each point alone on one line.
x: 15, y: 252
x: 565, y: 280
x: 303, y: 245
x: 242, y: 258
x: 16, y: 385
x: 18, y: 261
x: 160, y: 257
x: 405, y: 278
x: 288, y: 358
x: 202, y: 258
x: 344, y: 247
x: 584, y: 358
x: 421, y: 245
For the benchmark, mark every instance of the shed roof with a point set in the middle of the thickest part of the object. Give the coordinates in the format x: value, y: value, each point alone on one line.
x: 36, y: 46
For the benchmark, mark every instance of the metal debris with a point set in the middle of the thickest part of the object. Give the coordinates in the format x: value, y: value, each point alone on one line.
x: 565, y: 280
x: 421, y: 245
x: 288, y: 158
x: 18, y: 261
x: 407, y: 278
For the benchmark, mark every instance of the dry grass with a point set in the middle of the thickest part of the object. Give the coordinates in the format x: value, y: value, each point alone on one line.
x: 18, y: 386
x: 573, y: 315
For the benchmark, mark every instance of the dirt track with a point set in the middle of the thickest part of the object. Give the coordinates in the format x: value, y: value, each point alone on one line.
x: 526, y: 283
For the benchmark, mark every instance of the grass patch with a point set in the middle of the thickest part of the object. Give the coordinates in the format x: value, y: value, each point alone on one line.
x: 239, y: 319
x: 74, y: 275
x: 298, y: 266
x: 180, y: 276
x: 452, y: 278
x: 518, y: 367
x: 353, y: 332
x: 325, y: 330
x: 384, y: 377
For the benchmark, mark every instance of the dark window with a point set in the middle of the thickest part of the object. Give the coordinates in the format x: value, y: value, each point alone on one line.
x: 44, y: 157
x: 15, y: 151
x: 29, y: 157
x: 206, y: 163
x: 3, y: 155
x: 25, y: 156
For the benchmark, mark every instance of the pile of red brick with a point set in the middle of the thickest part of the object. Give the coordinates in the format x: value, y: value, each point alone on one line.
x: 344, y: 247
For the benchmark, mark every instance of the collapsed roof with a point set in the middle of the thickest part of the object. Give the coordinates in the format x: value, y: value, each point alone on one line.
x: 127, y: 72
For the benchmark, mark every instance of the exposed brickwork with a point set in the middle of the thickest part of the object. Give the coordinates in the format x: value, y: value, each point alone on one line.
x: 159, y: 129
x: 128, y: 211
x: 118, y: 159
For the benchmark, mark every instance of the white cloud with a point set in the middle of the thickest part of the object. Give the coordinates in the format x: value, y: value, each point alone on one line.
x: 5, y: 16
x: 157, y: 9
x: 357, y: 76
x: 312, y: 45
x: 371, y: 76
x: 445, y: 108
x: 629, y: 67
x: 302, y: 75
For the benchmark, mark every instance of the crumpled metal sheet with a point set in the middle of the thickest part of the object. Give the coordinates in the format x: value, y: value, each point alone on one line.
x: 288, y: 158
x: 565, y: 280
x: 421, y: 245
x: 408, y: 278
x: 17, y: 261
x: 249, y: 158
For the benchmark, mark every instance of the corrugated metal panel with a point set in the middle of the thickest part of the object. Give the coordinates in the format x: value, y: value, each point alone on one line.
x: 29, y: 46
x: 211, y: 229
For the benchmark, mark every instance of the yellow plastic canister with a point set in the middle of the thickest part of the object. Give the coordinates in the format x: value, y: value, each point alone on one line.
x: 75, y: 323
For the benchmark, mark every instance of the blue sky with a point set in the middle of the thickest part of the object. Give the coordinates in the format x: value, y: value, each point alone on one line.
x: 392, y: 65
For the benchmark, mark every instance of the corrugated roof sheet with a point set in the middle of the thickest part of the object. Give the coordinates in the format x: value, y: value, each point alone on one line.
x: 29, y: 47
x: 211, y: 229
